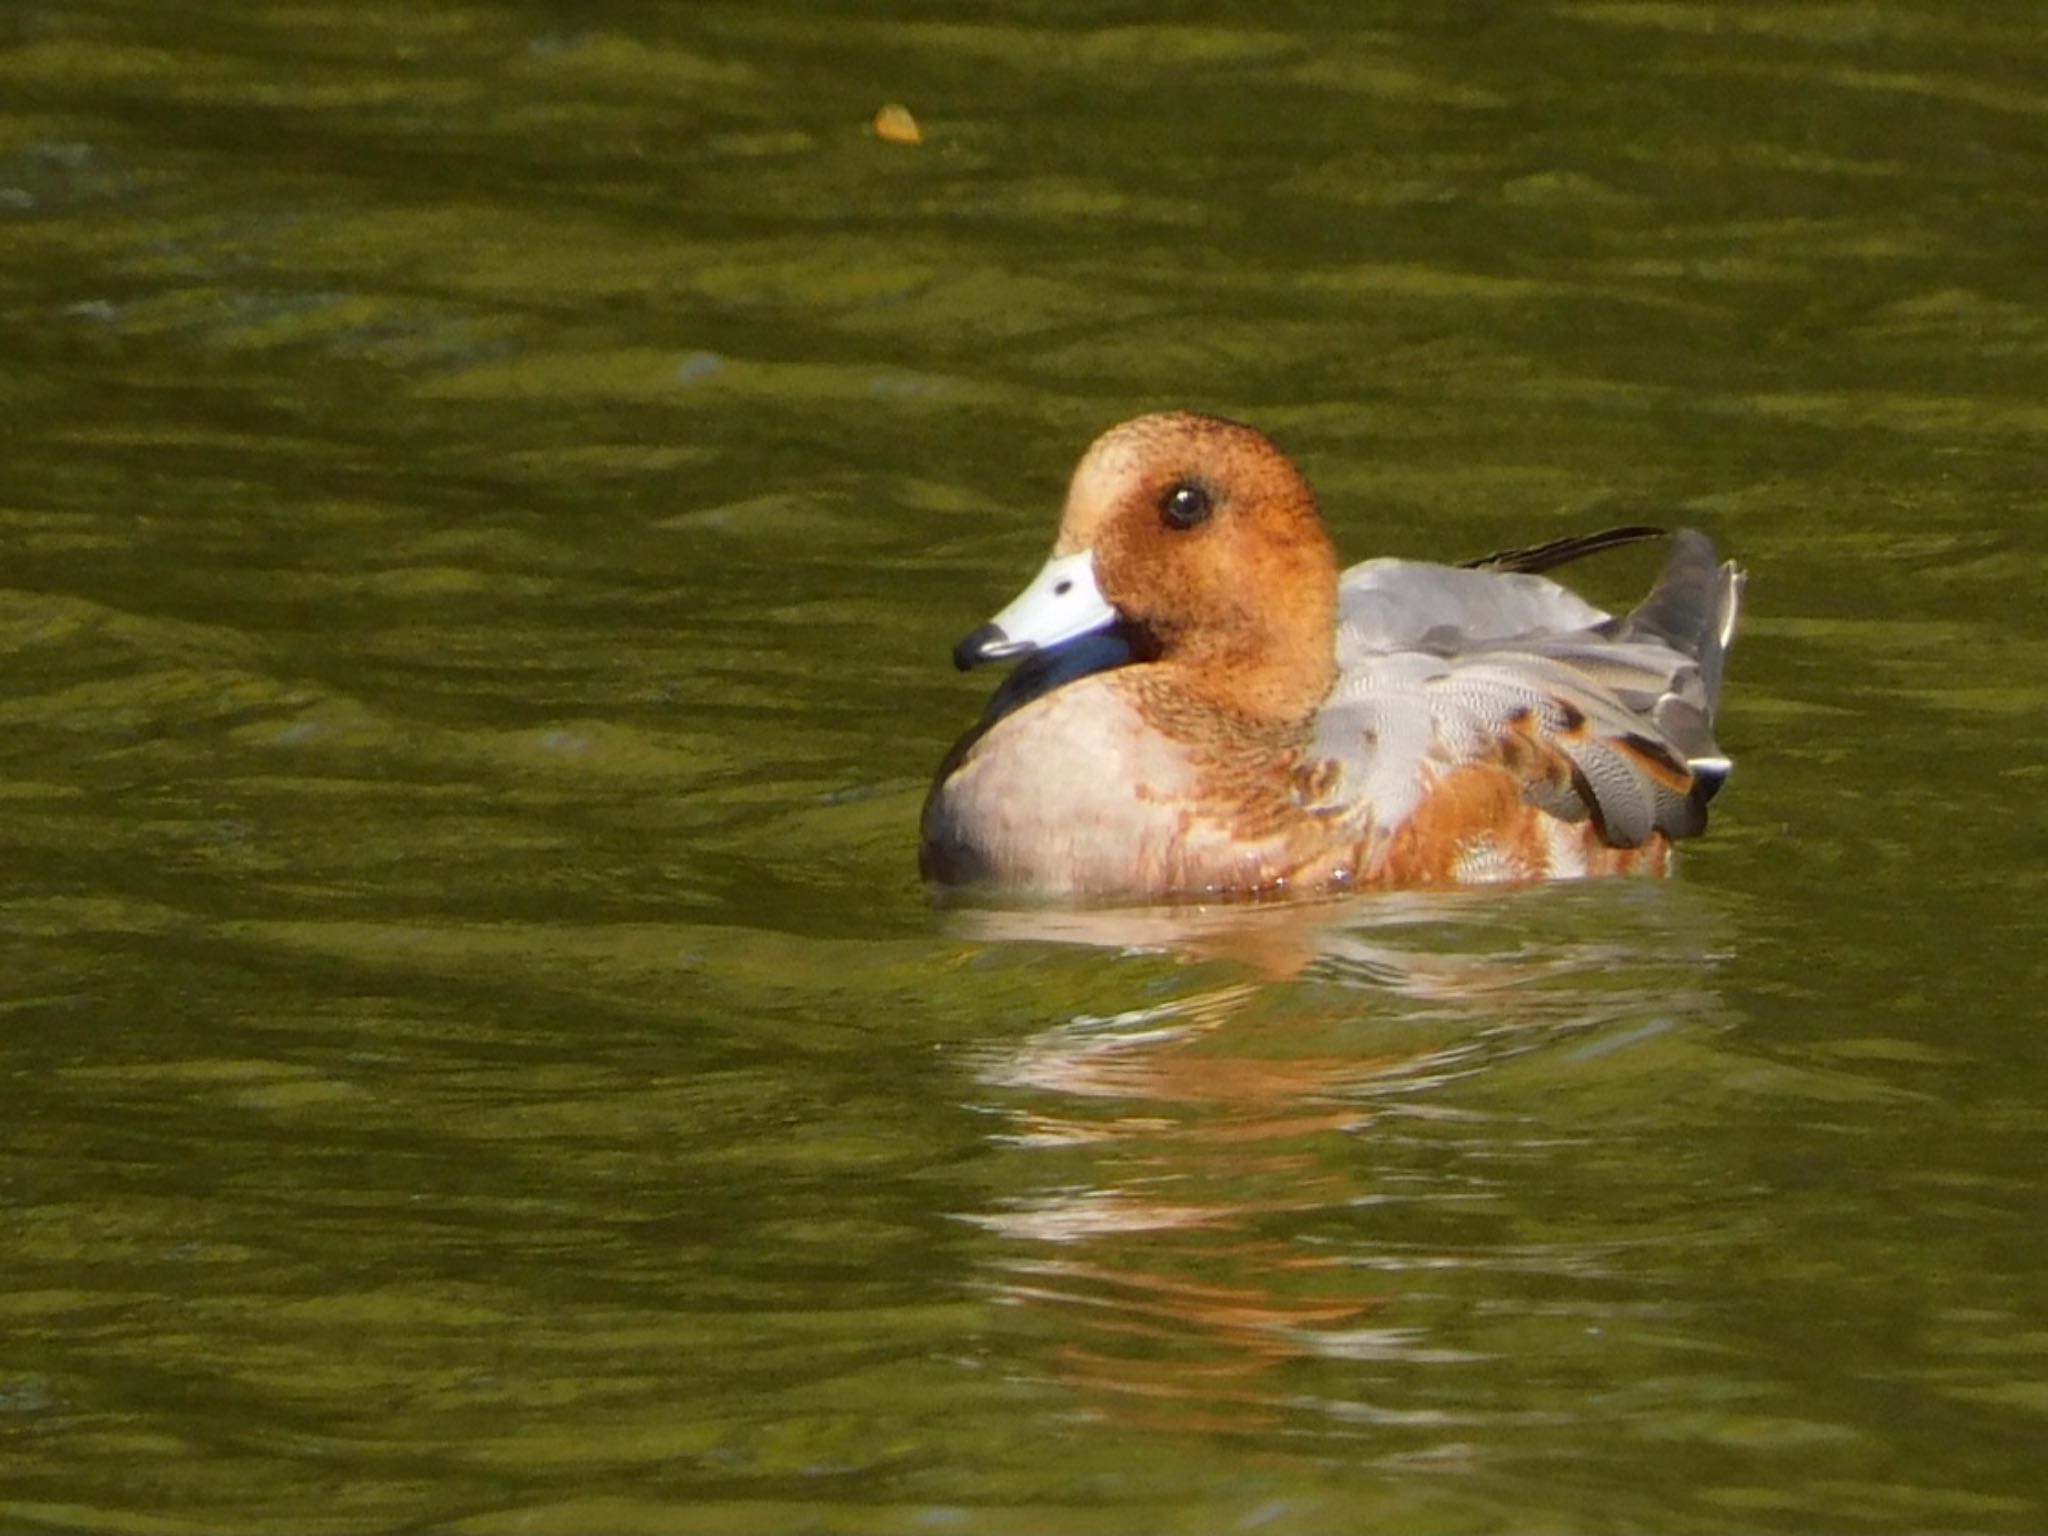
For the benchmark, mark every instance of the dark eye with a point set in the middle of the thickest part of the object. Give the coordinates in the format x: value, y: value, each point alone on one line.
x: 1185, y: 505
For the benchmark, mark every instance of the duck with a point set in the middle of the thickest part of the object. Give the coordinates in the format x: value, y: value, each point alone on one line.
x: 1203, y: 708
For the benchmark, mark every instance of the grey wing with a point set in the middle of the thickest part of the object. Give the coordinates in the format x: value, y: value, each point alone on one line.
x: 1603, y: 717
x: 1393, y: 605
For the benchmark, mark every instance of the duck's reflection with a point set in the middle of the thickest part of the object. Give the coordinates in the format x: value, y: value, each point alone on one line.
x: 1196, y: 1212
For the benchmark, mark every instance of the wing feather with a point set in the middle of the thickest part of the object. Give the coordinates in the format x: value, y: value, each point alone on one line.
x: 1598, y: 717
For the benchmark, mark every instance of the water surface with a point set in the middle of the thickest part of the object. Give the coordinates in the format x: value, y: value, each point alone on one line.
x: 489, y: 494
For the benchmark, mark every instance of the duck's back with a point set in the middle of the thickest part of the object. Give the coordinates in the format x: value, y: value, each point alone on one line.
x: 1491, y: 724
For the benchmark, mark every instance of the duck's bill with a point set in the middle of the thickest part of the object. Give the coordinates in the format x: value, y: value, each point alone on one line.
x: 1062, y: 603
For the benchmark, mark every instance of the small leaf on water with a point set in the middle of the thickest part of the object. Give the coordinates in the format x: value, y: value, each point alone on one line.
x: 895, y: 124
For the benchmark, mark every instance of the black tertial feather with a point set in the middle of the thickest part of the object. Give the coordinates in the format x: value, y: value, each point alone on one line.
x: 1548, y: 557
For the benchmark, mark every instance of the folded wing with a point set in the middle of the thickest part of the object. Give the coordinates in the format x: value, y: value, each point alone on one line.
x: 1598, y: 717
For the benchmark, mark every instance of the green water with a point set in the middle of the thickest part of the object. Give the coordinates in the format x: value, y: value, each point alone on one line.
x: 486, y: 494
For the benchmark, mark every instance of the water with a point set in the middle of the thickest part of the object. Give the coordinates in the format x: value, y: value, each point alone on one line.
x: 489, y: 492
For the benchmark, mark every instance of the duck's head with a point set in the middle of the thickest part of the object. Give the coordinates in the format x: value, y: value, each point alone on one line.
x: 1199, y: 542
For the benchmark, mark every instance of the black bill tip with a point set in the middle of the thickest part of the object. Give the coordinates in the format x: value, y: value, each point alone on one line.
x: 985, y: 644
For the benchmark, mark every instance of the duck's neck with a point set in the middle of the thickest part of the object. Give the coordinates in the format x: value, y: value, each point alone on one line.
x: 1271, y: 667
x: 1246, y: 694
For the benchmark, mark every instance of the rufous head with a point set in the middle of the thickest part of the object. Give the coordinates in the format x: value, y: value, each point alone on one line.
x: 1201, y: 540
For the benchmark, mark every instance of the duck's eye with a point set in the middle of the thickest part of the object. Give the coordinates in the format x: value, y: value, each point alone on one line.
x: 1185, y: 505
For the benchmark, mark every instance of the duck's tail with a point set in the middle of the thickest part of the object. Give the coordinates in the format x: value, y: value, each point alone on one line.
x: 1694, y: 607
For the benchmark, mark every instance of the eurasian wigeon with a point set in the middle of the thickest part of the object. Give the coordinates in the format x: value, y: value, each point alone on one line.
x: 1204, y: 708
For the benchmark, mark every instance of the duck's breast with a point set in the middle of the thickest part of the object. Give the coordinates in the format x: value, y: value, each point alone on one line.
x: 1078, y: 793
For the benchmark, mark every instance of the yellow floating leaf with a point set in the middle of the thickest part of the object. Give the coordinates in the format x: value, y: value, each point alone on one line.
x: 895, y: 124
